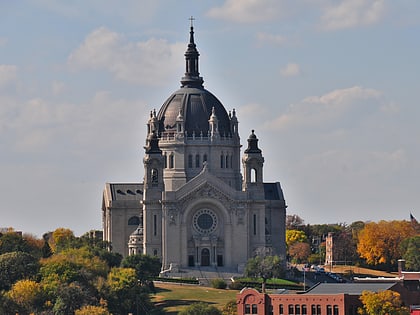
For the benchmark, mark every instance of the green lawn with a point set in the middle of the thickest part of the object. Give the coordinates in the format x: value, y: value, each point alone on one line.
x: 174, y: 297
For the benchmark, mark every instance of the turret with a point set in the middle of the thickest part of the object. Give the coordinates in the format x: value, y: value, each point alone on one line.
x: 253, y: 162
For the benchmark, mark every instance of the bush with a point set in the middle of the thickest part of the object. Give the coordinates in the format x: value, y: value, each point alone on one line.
x: 237, y: 285
x: 200, y: 309
x: 218, y: 284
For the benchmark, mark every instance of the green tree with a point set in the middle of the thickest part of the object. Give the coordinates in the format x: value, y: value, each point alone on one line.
x: 71, y: 297
x: 200, y: 309
x: 146, y: 267
x: 16, y: 266
x: 125, y: 294
x: 13, y: 242
x: 265, y: 268
x: 382, y: 303
x: 411, y: 253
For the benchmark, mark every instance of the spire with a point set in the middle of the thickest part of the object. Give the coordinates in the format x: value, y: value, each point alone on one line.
x: 192, y: 76
x: 252, y: 144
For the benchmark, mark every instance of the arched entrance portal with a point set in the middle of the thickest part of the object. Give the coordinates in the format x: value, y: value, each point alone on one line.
x: 205, y: 257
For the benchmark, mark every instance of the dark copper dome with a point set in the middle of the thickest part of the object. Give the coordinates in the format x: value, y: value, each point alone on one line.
x: 192, y: 102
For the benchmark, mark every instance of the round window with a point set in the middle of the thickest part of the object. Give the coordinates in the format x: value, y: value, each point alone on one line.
x: 205, y: 221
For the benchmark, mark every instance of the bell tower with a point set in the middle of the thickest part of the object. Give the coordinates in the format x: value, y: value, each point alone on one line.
x: 153, y: 187
x: 253, y: 162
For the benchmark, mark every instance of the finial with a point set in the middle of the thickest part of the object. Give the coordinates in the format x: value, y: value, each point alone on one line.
x: 191, y: 21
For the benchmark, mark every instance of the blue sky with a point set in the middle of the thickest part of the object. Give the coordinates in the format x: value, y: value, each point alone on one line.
x: 329, y: 86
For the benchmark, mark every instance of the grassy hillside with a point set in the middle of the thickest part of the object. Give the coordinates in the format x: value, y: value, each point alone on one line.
x: 174, y: 297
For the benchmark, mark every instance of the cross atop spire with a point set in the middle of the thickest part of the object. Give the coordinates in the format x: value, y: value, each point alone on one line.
x: 191, y: 18
x: 192, y: 76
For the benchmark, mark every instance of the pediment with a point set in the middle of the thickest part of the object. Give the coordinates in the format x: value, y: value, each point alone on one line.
x: 206, y: 185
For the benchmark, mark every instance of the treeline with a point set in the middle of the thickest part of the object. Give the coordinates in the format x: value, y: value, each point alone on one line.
x: 373, y: 244
x: 64, y: 274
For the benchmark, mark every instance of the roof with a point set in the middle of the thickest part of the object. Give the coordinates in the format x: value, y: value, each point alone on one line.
x: 273, y: 191
x: 348, y: 288
x: 126, y: 191
x: 196, y: 105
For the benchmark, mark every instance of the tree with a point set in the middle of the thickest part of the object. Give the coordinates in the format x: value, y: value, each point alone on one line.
x: 293, y: 221
x: 264, y: 267
x: 92, y: 310
x: 71, y: 297
x: 411, y: 253
x: 230, y: 308
x: 12, y: 242
x: 299, y: 252
x: 27, y: 294
x: 62, y: 238
x: 16, y: 266
x: 125, y: 294
x: 381, y: 303
x: 294, y: 236
x: 146, y: 267
x: 379, y: 243
x: 200, y: 309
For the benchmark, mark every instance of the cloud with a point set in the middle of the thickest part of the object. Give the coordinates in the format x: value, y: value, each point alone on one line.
x: 352, y: 13
x: 247, y: 11
x: 8, y: 74
x: 327, y: 108
x: 291, y: 70
x: 148, y: 63
x: 271, y: 38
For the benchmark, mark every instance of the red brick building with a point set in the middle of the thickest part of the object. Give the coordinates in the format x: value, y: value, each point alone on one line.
x: 322, y: 299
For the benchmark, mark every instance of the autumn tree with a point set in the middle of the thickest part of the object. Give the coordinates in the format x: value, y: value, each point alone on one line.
x: 27, y: 294
x: 382, y: 303
x: 62, y: 238
x: 379, y: 243
x: 92, y: 310
x: 295, y: 236
x: 299, y: 252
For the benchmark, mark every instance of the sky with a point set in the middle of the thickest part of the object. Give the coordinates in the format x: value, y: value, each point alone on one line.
x: 330, y: 87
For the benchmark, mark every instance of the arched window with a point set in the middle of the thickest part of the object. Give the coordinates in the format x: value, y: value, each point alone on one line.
x: 253, y: 175
x: 205, y: 158
x: 165, y: 160
x: 190, y: 162
x: 227, y: 161
x: 231, y: 161
x: 171, y: 160
x: 134, y: 221
x: 154, y: 176
x: 222, y: 161
x: 197, y: 161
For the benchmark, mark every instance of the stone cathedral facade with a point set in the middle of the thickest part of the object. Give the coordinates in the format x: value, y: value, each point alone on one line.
x: 195, y: 208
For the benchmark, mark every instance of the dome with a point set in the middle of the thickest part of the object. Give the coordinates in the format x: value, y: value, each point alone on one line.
x: 192, y: 103
x: 195, y: 104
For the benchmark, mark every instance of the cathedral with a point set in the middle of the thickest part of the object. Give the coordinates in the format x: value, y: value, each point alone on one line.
x: 195, y: 208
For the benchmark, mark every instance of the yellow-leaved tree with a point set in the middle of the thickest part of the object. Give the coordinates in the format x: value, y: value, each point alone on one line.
x: 379, y: 243
x: 382, y: 303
